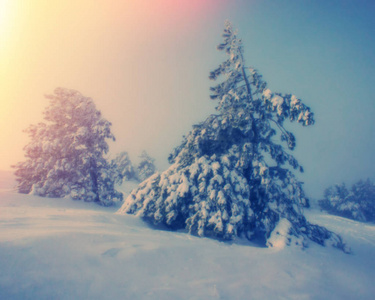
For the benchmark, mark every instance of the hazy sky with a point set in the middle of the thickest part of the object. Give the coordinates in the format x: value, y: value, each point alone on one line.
x: 146, y: 63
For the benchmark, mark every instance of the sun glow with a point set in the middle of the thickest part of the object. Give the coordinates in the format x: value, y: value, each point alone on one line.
x: 5, y: 16
x: 79, y: 45
x: 10, y: 23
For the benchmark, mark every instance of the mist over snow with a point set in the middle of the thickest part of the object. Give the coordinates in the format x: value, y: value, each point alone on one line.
x: 146, y: 66
x: 7, y: 180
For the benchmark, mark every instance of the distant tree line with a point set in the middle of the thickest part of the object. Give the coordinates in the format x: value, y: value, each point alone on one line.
x: 357, y: 203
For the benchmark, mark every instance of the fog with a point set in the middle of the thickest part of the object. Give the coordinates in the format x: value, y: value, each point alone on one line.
x: 146, y: 65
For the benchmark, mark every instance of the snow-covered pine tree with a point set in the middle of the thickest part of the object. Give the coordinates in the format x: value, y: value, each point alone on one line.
x: 123, y: 168
x: 364, y: 194
x: 357, y: 203
x: 66, y: 153
x: 146, y: 166
x: 229, y: 177
x: 333, y: 196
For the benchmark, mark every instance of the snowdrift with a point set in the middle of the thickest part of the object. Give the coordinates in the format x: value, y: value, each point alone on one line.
x: 65, y: 249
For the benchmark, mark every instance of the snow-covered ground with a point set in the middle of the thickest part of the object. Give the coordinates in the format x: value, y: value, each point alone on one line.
x: 65, y: 249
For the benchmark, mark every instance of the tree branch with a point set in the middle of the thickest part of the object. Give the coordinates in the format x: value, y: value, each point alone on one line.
x: 280, y: 127
x: 248, y: 87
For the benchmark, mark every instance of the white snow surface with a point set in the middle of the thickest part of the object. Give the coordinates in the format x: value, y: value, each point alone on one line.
x: 65, y: 249
x: 279, y: 235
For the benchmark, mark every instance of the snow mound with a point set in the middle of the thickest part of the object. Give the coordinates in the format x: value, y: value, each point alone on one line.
x: 64, y: 249
x: 280, y: 235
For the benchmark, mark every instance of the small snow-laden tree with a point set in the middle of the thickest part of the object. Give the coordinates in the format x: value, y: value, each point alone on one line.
x: 66, y: 153
x: 123, y: 168
x: 229, y: 177
x: 358, y: 203
x: 364, y: 193
x: 333, y: 196
x: 145, y: 167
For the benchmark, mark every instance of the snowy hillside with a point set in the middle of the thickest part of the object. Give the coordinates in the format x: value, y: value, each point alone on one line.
x: 65, y: 249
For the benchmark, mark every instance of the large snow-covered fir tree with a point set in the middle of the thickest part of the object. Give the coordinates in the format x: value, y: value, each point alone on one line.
x: 229, y: 177
x: 66, y: 153
x: 358, y: 203
x: 146, y: 166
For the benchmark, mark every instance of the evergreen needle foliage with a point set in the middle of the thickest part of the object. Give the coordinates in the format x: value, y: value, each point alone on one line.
x: 229, y: 177
x: 146, y: 166
x: 66, y: 154
x: 358, y: 203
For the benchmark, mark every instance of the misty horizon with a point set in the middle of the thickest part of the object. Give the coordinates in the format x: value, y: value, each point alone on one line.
x: 146, y: 68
